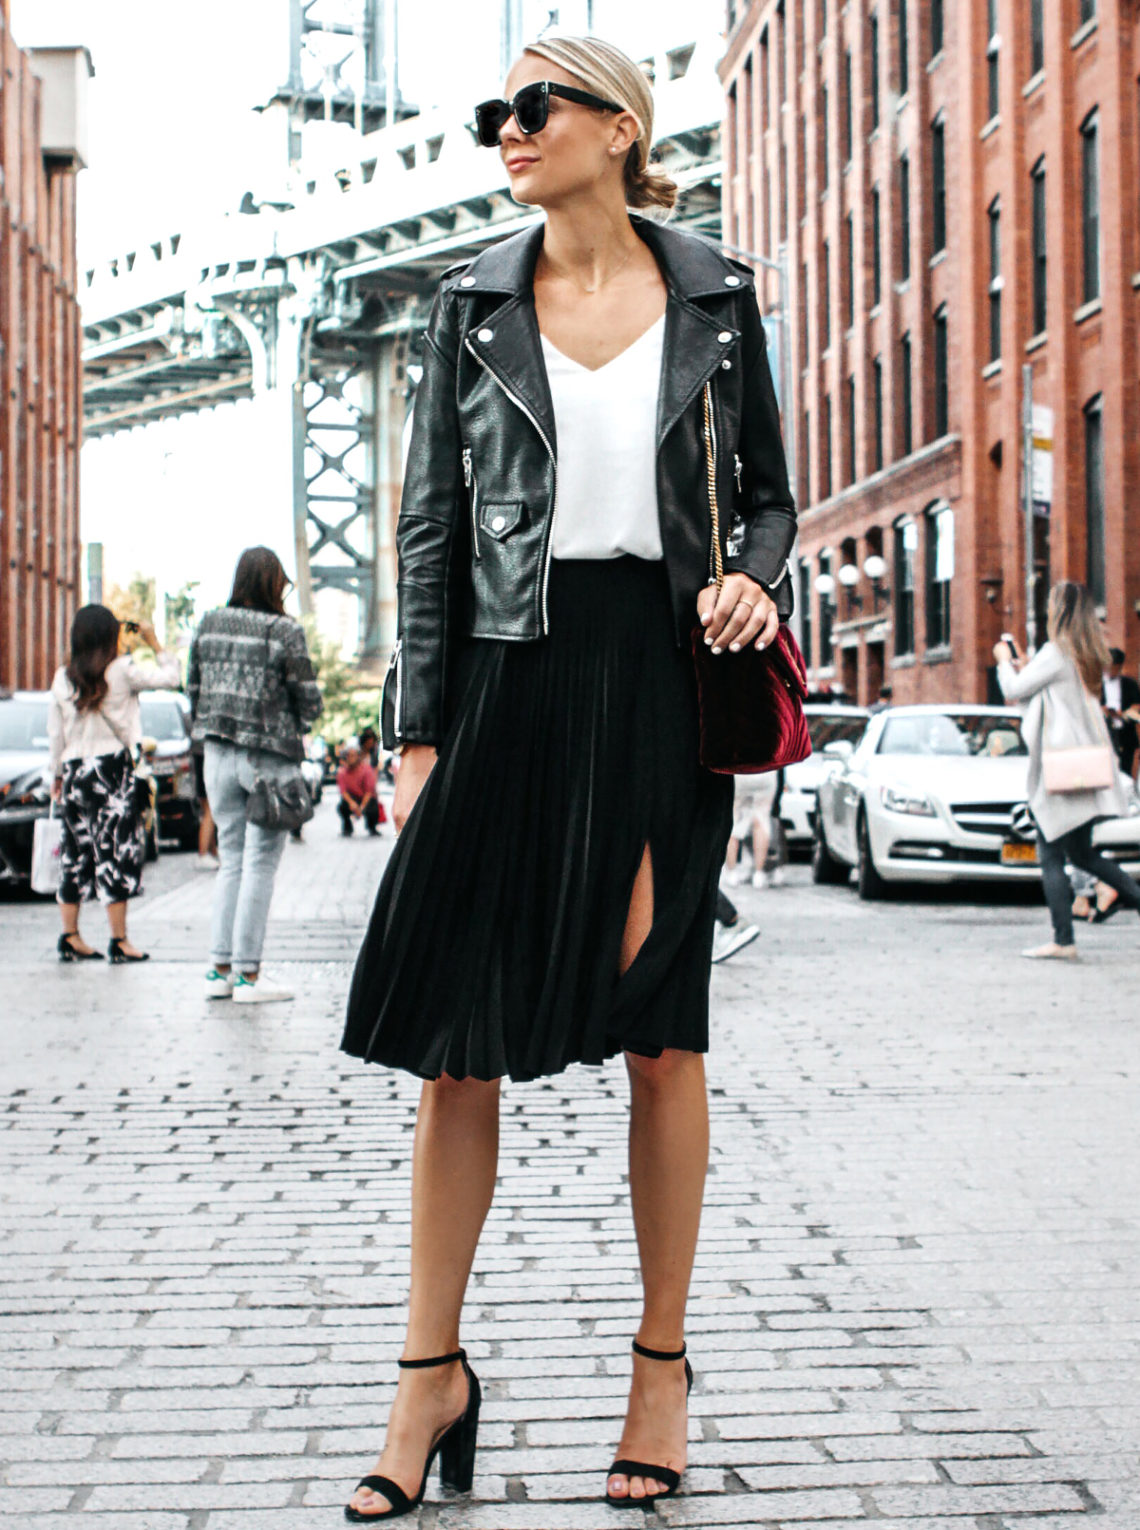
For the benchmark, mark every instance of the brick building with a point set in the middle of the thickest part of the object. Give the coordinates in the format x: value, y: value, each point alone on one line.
x: 958, y: 190
x: 41, y: 131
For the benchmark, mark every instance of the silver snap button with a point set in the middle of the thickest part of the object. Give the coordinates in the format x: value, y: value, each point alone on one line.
x: 467, y: 281
x: 485, y: 335
x: 498, y: 523
x: 727, y: 365
x: 724, y: 336
x: 732, y: 281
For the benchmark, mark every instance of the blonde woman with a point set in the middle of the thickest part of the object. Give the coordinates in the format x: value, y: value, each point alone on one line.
x: 560, y: 841
x: 1059, y: 688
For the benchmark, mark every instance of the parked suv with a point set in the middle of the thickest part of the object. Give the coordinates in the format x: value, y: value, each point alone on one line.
x: 166, y: 721
x: 25, y: 778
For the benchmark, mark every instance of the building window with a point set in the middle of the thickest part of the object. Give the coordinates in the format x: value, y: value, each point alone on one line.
x: 1036, y: 36
x: 849, y: 252
x: 848, y: 109
x: 805, y: 610
x: 874, y: 26
x: 826, y: 612
x: 876, y: 248
x: 824, y: 137
x: 938, y: 187
x: 1090, y: 208
x: 1087, y: 11
x: 1094, y: 498
x: 941, y: 374
x: 877, y: 379
x: 994, y: 215
x: 907, y: 401
x: 939, y: 575
x: 765, y: 95
x: 936, y: 28
x: 906, y: 552
x: 993, y: 62
x: 904, y: 216
x: 805, y: 320
x: 825, y: 296
x: 781, y: 52
x: 826, y: 445
x: 805, y: 491
x: 851, y: 471
x: 822, y: 18
x: 785, y: 191
x: 904, y: 62
x: 1039, y: 308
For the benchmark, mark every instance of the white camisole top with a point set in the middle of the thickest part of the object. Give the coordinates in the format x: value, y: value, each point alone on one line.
x: 605, y: 498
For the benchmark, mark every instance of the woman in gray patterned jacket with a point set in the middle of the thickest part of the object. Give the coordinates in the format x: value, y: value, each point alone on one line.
x: 253, y: 693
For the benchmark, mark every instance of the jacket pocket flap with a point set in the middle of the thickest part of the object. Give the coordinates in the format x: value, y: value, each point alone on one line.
x: 498, y: 518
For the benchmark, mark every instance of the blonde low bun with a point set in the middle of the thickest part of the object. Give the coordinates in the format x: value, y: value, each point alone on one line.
x: 610, y: 73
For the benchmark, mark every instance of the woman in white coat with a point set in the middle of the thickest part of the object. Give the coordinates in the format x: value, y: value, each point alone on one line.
x: 1059, y: 691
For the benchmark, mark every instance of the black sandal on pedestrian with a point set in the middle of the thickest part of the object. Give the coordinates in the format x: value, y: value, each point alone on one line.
x: 455, y: 1448
x: 1103, y: 915
x: 646, y: 1469
x: 68, y: 953
x: 116, y: 954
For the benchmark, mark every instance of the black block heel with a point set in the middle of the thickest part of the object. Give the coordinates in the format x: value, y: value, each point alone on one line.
x: 68, y: 953
x: 665, y: 1474
x: 116, y: 954
x: 455, y: 1448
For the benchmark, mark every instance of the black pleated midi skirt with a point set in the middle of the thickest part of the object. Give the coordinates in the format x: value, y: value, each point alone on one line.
x: 494, y: 945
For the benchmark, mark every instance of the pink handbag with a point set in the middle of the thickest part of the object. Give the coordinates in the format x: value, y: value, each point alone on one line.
x: 1082, y: 768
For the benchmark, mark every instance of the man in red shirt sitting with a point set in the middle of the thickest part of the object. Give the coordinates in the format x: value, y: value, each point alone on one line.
x: 356, y: 782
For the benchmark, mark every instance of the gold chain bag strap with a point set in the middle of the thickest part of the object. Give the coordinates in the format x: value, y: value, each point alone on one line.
x: 751, y: 703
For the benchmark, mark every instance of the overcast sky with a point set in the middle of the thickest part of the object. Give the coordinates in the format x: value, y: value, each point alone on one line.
x: 174, y: 137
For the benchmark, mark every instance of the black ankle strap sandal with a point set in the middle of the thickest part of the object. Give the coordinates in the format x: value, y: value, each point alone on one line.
x: 68, y: 953
x: 115, y: 952
x: 647, y: 1469
x: 455, y: 1447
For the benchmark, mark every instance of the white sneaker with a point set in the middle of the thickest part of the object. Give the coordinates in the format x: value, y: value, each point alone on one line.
x: 218, y: 985
x: 730, y: 938
x: 206, y: 863
x: 760, y: 879
x: 264, y: 991
x: 1052, y: 953
x: 737, y: 876
x: 776, y: 876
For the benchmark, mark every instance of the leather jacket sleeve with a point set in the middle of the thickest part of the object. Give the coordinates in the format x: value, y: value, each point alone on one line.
x: 429, y: 514
x: 765, y: 526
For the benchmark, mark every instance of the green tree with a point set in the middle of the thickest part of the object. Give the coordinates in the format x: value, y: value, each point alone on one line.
x: 180, y: 612
x: 350, y: 704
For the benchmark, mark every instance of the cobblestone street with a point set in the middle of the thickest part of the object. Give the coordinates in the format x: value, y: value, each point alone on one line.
x: 916, y: 1301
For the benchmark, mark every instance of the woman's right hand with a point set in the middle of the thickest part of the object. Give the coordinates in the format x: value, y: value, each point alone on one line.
x: 149, y: 636
x: 416, y: 764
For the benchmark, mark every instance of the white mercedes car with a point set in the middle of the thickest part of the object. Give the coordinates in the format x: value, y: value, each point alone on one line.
x: 938, y: 794
x: 827, y: 724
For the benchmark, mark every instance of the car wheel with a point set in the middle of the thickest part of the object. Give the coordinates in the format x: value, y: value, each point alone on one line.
x: 826, y: 871
x: 870, y: 883
x: 151, y: 842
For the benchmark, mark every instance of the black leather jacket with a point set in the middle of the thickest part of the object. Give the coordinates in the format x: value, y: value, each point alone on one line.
x: 473, y: 538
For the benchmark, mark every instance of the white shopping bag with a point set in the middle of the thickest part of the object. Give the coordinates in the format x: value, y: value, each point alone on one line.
x: 45, y: 853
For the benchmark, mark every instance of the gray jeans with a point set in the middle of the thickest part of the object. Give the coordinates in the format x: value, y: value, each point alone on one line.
x: 249, y: 856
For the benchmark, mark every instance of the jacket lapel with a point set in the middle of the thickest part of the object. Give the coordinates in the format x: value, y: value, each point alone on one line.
x: 508, y: 341
x: 695, y: 345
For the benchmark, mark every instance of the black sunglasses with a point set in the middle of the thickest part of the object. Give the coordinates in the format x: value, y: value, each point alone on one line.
x: 530, y: 109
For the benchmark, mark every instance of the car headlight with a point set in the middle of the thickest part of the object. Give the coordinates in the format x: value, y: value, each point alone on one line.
x: 896, y: 801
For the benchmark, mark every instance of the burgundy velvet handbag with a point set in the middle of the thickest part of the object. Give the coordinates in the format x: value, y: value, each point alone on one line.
x: 751, y: 703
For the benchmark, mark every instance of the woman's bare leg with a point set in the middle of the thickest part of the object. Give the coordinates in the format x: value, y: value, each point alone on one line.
x: 668, y: 1157
x: 454, y: 1163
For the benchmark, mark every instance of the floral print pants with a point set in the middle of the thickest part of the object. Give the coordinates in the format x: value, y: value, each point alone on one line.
x: 101, y: 847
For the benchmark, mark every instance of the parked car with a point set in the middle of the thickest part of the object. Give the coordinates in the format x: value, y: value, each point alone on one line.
x: 166, y: 721
x: 25, y: 778
x: 826, y: 724
x: 938, y: 794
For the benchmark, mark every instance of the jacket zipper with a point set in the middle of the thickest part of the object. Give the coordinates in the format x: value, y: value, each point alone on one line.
x: 469, y: 480
x: 398, y: 661
x: 739, y: 472
x: 548, y: 551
